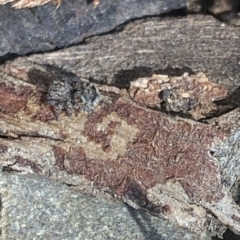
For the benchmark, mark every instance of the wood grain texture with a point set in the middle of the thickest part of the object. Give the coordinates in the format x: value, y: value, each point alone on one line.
x: 45, y: 28
x: 125, y: 150
x: 172, y: 45
x: 120, y: 149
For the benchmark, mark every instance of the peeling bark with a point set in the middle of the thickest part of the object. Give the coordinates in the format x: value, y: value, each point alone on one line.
x: 229, y: 122
x: 130, y: 152
x: 193, y: 96
x: 169, y: 166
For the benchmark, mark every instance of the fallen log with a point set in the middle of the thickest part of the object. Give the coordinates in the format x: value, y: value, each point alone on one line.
x: 166, y: 166
x: 45, y: 28
x: 163, y: 46
x: 171, y: 167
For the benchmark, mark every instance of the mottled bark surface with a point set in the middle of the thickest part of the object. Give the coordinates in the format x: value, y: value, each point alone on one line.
x: 126, y: 149
x: 192, y: 96
x: 229, y: 122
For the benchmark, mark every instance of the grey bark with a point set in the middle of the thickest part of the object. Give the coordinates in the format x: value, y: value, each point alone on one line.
x: 141, y: 156
x: 45, y: 28
x: 170, y: 46
x: 191, y: 44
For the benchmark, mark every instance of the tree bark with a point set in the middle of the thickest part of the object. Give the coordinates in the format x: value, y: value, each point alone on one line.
x: 170, y: 46
x: 46, y: 27
x: 170, y: 166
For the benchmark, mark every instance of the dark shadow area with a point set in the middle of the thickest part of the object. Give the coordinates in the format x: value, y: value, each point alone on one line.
x: 57, y: 71
x: 235, y: 191
x: 175, y: 72
x: 144, y: 223
x: 89, y: 2
x: 43, y: 79
x: 228, y: 235
x: 40, y: 79
x: 237, y: 194
x: 232, y: 99
x: 8, y: 57
x: 204, y: 5
x: 231, y: 102
x: 229, y: 17
x: 138, y: 195
x: 124, y: 77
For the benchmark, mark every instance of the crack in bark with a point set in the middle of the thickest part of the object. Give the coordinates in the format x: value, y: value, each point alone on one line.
x: 122, y: 147
x: 19, y: 136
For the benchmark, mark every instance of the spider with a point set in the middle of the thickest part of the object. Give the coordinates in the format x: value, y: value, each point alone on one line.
x: 85, y: 95
x: 71, y: 93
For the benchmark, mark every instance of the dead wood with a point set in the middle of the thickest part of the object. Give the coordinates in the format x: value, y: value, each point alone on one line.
x: 141, y: 156
x: 163, y: 46
x: 171, y: 167
x: 46, y: 27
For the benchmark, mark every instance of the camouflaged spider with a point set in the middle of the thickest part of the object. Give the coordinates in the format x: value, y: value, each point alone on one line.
x: 69, y: 93
x: 85, y: 95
